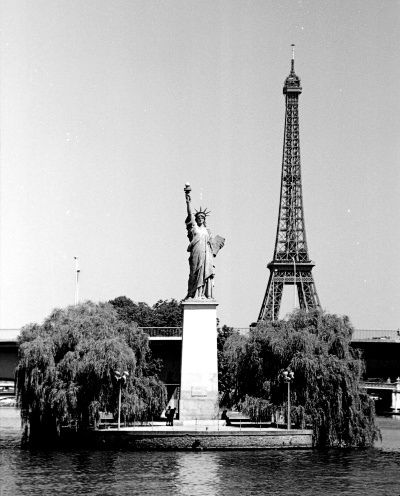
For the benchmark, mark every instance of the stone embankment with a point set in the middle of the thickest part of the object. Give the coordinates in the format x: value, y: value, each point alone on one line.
x: 186, y: 438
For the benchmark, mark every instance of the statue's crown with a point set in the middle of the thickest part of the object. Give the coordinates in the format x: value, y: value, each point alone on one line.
x: 202, y: 212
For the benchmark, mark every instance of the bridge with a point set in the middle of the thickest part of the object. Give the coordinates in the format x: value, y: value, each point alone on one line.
x: 8, y: 360
x: 165, y: 344
x: 383, y: 392
x: 380, y: 349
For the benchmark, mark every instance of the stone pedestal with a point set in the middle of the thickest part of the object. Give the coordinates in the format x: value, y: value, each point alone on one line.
x: 199, y: 369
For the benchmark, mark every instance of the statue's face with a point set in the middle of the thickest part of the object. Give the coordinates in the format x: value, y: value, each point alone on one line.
x: 199, y: 220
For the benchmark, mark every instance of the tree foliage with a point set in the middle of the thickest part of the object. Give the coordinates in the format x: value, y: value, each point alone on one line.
x: 325, y: 392
x: 164, y: 313
x: 66, y: 370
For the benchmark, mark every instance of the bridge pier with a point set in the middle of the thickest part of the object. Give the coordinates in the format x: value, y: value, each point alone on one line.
x: 396, y: 396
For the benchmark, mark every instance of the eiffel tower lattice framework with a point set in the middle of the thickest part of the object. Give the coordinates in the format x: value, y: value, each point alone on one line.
x: 291, y: 264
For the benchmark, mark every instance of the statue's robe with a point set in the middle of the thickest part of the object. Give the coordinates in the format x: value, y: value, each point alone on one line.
x: 201, y: 256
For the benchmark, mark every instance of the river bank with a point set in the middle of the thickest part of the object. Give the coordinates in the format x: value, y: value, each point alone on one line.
x: 187, y: 437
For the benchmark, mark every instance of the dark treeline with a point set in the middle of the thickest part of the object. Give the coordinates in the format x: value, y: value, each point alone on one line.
x: 164, y: 313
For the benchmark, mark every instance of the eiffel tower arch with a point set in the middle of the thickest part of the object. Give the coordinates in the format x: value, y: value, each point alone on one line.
x: 291, y: 264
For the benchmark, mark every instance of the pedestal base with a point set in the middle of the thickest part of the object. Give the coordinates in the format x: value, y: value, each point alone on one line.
x: 199, y: 370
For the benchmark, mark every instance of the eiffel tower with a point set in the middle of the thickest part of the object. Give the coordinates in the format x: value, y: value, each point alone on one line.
x: 291, y: 264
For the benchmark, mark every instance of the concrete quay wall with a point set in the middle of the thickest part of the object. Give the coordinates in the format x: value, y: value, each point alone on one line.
x: 188, y: 440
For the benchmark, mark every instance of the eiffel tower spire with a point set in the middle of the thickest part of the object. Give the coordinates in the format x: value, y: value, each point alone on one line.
x: 291, y: 264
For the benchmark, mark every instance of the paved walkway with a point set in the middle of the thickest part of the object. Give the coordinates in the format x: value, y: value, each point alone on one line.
x: 192, y: 428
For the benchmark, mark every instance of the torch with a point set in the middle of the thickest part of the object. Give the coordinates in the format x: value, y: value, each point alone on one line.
x: 187, y: 189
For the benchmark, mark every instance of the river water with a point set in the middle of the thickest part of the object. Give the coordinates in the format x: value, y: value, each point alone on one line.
x: 374, y: 471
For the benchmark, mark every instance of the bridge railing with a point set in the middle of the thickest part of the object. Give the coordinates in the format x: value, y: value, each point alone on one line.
x: 375, y: 335
x: 176, y: 332
x: 394, y: 386
x: 243, y: 331
x: 359, y: 334
x: 163, y: 332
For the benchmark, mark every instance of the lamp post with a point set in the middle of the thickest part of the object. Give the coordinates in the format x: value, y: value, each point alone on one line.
x: 121, y: 380
x: 288, y: 376
x: 76, y: 281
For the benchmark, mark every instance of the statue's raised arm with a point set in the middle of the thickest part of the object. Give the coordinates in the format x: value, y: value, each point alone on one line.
x: 202, y: 249
x: 187, y: 190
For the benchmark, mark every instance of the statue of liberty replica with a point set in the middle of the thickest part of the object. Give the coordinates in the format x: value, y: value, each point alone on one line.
x: 202, y: 248
x: 199, y: 367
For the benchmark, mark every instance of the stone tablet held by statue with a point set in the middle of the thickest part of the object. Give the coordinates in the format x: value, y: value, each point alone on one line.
x: 203, y: 248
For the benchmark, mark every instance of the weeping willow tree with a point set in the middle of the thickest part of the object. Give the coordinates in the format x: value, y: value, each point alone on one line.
x: 66, y: 370
x: 325, y: 392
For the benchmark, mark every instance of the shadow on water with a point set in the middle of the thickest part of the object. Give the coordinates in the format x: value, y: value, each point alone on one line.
x: 285, y: 472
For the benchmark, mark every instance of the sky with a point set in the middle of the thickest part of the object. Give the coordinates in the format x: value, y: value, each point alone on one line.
x: 109, y: 108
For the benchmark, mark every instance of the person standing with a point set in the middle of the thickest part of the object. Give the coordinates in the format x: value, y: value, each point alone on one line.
x: 172, y: 415
x: 168, y: 415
